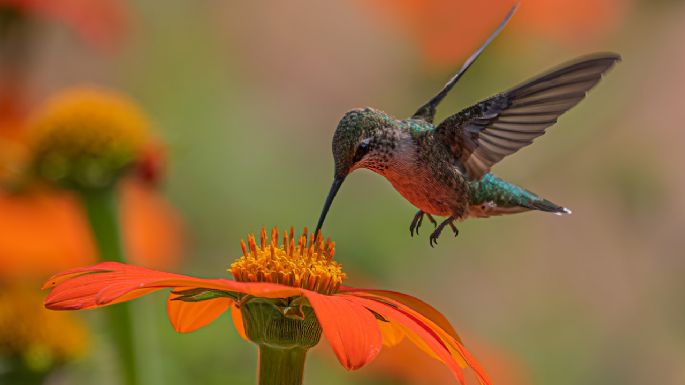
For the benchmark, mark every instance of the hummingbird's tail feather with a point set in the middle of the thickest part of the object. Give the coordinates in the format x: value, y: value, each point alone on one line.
x: 494, y: 196
x: 549, y: 207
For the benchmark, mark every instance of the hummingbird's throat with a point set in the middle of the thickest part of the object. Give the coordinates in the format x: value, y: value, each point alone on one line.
x: 296, y: 262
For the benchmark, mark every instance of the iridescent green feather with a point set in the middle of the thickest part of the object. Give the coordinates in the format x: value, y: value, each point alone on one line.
x: 417, y: 126
x: 491, y: 189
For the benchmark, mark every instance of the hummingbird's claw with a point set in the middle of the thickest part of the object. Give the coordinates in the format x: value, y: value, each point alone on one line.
x: 418, y: 220
x: 438, y: 230
x: 416, y: 223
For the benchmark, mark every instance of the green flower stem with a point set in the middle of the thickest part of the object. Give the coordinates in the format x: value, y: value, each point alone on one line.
x: 103, y: 216
x: 283, y: 341
x: 279, y: 366
x: 102, y: 211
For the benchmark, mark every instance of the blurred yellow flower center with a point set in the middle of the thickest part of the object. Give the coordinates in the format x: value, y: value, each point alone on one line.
x: 295, y: 262
x: 40, y: 337
x: 87, y: 137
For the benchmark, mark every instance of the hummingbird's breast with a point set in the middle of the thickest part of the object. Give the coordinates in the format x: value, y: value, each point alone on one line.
x: 426, y: 176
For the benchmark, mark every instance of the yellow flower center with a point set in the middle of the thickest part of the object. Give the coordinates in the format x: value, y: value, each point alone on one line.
x: 87, y: 137
x: 295, y: 262
x: 39, y: 336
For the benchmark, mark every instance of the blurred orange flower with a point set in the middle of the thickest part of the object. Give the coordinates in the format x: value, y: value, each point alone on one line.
x: 101, y: 23
x: 448, y: 31
x: 44, y: 230
x: 570, y: 21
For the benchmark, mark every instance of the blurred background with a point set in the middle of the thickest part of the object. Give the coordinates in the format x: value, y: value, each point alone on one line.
x: 245, y: 97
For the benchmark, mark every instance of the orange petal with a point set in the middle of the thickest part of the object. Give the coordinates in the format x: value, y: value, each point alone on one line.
x: 391, y: 332
x: 417, y: 330
x: 73, y: 273
x: 52, y: 216
x: 412, y: 302
x: 421, y: 344
x: 453, y: 344
x: 238, y: 322
x: 186, y: 317
x: 351, y: 329
x: 152, y: 229
x: 112, y: 282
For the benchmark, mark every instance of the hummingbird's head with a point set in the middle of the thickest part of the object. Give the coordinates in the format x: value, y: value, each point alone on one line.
x: 361, y: 140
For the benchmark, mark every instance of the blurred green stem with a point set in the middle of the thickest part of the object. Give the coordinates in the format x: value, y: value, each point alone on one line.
x: 281, y: 366
x: 102, y: 211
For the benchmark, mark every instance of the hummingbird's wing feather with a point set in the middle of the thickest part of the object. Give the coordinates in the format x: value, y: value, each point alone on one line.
x: 483, y: 134
x: 427, y: 111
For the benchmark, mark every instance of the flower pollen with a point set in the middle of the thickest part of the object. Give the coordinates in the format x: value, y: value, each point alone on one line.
x: 296, y: 262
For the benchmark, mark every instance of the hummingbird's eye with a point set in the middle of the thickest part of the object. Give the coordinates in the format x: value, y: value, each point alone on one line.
x: 362, y: 150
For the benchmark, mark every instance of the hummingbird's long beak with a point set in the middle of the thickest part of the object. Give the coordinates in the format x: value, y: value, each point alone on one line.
x: 337, y: 182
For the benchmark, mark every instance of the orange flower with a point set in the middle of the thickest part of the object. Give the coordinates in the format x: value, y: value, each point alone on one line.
x: 101, y: 23
x: 152, y: 230
x: 301, y: 276
x: 449, y: 30
x: 570, y: 21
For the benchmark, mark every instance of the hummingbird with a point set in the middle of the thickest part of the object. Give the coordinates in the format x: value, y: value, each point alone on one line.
x: 444, y: 169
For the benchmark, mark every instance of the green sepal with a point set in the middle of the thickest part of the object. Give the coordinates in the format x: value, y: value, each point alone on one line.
x: 280, y: 322
x: 294, y: 308
x: 200, y: 294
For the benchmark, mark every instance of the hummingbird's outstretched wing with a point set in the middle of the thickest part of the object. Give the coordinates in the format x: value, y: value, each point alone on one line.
x: 427, y: 111
x: 483, y: 134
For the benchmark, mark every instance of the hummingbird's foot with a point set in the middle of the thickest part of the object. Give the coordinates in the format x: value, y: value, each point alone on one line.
x: 438, y: 230
x: 454, y: 229
x: 432, y: 220
x: 418, y: 220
